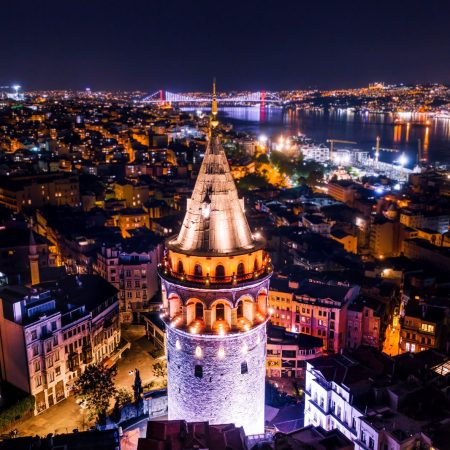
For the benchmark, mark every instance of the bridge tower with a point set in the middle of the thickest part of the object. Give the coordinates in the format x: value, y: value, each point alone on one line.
x: 215, y: 283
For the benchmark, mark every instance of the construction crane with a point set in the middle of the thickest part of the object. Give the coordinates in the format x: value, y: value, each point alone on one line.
x: 339, y: 141
x: 378, y: 149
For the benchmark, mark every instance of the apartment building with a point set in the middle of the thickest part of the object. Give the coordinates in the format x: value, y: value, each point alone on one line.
x: 342, y: 190
x: 384, y: 237
x: 375, y: 401
x: 312, y: 307
x: 131, y: 219
x: 420, y: 219
x: 287, y: 352
x: 364, y: 323
x: 423, y: 327
x: 51, y: 332
x: 134, y: 195
x: 35, y: 191
x: 130, y: 266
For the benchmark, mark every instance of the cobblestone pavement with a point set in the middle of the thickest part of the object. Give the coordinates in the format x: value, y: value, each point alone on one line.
x: 67, y: 415
x: 137, y: 357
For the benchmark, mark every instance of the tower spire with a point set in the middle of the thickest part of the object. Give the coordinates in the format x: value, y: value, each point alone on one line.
x: 214, y: 120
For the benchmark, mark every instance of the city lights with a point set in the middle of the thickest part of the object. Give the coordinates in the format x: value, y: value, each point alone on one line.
x: 125, y: 238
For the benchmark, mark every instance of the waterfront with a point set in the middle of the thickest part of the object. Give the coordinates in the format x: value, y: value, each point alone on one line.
x: 362, y: 128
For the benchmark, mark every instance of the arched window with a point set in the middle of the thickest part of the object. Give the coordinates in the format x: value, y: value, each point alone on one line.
x: 198, y: 270
x: 198, y: 311
x: 220, y: 311
x: 240, y: 310
x: 240, y: 269
x: 255, y: 266
x: 220, y: 271
x: 180, y: 268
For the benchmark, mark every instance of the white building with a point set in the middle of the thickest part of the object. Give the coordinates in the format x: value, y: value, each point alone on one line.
x: 367, y: 402
x: 319, y: 153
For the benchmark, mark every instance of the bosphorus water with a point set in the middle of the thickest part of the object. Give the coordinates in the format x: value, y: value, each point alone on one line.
x: 362, y: 128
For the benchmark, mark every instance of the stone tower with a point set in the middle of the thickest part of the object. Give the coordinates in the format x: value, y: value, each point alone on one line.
x: 215, y: 282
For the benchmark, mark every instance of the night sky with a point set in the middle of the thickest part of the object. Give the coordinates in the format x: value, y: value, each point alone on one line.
x: 180, y: 45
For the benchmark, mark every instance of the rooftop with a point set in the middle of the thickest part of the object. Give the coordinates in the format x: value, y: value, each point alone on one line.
x: 89, y: 290
x: 181, y: 435
x: 279, y: 336
x: 311, y: 288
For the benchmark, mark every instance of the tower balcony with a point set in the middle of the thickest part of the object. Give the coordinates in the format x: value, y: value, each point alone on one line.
x: 220, y: 327
x: 213, y: 282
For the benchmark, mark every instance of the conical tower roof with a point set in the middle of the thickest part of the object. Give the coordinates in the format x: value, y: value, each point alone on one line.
x: 215, y: 221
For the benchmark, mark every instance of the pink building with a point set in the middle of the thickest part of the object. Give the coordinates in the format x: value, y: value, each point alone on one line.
x: 364, y: 323
x: 312, y: 307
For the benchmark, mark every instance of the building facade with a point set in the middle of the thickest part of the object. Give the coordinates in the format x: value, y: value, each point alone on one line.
x: 287, y: 352
x: 21, y: 192
x: 312, y: 307
x: 373, y: 399
x: 50, y: 333
x: 215, y: 281
x: 423, y: 327
x: 131, y: 267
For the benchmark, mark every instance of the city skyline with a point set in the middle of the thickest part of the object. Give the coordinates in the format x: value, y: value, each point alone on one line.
x: 282, y: 46
x: 270, y: 275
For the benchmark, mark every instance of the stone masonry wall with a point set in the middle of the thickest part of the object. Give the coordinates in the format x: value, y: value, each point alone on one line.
x: 223, y: 394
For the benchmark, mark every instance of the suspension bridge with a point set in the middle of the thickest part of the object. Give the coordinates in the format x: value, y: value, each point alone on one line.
x: 260, y: 97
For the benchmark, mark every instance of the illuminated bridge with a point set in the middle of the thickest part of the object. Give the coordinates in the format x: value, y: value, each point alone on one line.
x: 245, y: 98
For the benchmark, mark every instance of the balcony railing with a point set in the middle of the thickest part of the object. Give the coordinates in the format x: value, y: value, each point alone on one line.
x: 207, y: 280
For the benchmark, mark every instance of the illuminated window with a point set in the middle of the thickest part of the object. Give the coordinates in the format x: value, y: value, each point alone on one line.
x: 198, y: 371
x: 240, y: 269
x: 220, y: 311
x: 428, y: 328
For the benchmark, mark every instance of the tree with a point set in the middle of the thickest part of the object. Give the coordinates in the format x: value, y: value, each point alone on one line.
x: 123, y: 397
x: 160, y: 371
x: 95, y: 387
x: 283, y: 162
x: 263, y: 158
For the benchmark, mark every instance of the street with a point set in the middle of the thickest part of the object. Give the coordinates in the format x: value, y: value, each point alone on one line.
x: 391, y: 344
x: 67, y: 415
